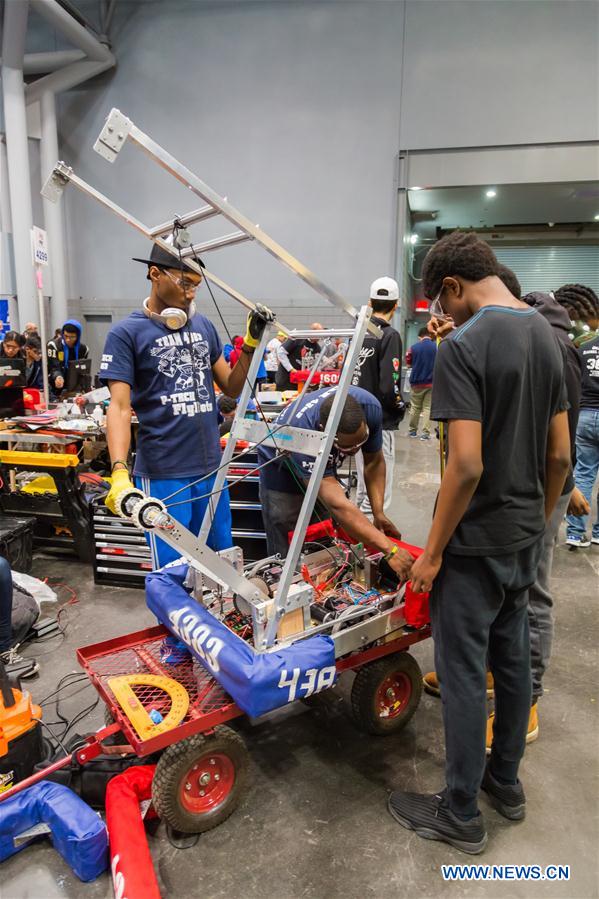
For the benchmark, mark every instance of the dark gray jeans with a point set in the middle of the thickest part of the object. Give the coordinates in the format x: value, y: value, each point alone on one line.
x: 280, y: 513
x: 479, y: 613
x: 540, y: 601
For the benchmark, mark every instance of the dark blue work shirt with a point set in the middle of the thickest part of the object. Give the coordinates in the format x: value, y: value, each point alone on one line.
x: 423, y: 356
x: 306, y: 414
x: 172, y: 392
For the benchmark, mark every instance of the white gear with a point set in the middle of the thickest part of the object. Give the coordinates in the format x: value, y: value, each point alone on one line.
x: 124, y: 499
x: 139, y: 515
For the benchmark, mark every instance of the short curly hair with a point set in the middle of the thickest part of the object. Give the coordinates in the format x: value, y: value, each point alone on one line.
x: 580, y: 302
x: 510, y: 280
x: 460, y: 253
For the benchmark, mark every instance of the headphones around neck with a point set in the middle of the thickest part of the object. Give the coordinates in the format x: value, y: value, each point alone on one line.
x: 171, y: 318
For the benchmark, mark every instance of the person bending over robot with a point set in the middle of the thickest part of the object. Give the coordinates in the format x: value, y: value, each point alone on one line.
x: 283, y: 482
x: 162, y: 360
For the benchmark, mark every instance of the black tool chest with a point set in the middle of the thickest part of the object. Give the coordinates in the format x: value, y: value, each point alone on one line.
x: 246, y: 511
x: 121, y: 554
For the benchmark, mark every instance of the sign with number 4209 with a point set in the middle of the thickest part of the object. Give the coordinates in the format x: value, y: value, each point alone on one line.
x: 39, y: 246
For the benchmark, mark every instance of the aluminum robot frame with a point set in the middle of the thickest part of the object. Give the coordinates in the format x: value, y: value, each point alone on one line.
x: 225, y: 570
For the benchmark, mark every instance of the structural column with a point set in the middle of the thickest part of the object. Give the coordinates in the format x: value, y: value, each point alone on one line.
x: 17, y: 151
x: 53, y: 218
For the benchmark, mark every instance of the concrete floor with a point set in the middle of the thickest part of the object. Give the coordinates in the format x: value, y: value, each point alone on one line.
x: 314, y: 823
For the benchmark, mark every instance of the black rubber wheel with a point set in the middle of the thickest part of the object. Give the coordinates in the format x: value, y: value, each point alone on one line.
x: 118, y: 739
x: 200, y: 781
x: 386, y: 693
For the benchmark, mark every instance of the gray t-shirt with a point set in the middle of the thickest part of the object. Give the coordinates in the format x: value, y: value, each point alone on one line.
x: 504, y: 368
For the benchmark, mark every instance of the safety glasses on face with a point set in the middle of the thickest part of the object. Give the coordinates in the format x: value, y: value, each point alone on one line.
x: 436, y: 309
x: 351, y: 450
x: 186, y: 286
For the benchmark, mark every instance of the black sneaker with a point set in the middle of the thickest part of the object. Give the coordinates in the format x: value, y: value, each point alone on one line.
x: 431, y: 818
x: 17, y: 666
x: 508, y: 799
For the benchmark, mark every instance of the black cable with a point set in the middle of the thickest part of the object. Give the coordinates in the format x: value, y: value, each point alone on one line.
x: 76, y: 674
x: 322, y: 546
x: 54, y: 737
x: 231, y: 461
x: 80, y: 716
x: 251, y: 472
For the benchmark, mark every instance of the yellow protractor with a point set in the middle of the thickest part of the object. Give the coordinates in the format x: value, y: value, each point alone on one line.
x: 122, y: 688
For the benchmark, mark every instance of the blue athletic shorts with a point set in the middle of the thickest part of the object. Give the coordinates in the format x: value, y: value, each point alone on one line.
x: 190, y: 514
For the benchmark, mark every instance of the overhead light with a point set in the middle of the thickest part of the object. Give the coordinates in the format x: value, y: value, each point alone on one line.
x: 491, y: 193
x: 413, y: 238
x: 597, y: 218
x: 415, y: 188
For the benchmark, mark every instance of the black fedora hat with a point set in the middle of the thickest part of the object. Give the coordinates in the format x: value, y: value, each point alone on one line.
x: 163, y: 259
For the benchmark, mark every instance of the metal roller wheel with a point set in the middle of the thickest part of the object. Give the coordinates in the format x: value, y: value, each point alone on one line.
x: 386, y: 693
x: 139, y: 515
x: 201, y: 780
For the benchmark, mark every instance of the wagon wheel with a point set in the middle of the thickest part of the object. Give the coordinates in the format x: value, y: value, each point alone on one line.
x: 386, y: 693
x: 118, y: 739
x: 201, y: 780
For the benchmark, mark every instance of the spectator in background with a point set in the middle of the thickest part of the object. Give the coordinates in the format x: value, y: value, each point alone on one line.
x: 12, y: 345
x: 227, y: 407
x: 62, y: 350
x: 379, y: 372
x: 228, y: 348
x: 236, y: 351
x: 271, y: 361
x: 34, y: 376
x: 294, y: 354
x: 582, y: 305
x: 421, y: 356
x: 30, y: 328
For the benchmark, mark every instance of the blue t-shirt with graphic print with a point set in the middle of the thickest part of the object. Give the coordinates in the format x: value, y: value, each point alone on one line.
x: 305, y: 413
x: 172, y: 392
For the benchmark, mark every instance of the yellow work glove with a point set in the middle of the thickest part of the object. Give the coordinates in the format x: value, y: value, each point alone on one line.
x: 256, y: 323
x: 120, y: 482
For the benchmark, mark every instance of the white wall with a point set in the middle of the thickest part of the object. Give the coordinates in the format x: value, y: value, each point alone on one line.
x: 292, y: 110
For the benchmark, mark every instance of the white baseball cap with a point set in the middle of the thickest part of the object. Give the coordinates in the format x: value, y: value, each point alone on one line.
x: 384, y: 289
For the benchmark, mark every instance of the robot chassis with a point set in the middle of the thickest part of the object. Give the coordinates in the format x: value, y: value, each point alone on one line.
x: 273, y: 602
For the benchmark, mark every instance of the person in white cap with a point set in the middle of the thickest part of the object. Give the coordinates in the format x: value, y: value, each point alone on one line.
x: 379, y: 372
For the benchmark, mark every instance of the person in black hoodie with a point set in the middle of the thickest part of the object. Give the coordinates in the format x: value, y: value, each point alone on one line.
x: 379, y: 372
x: 62, y: 350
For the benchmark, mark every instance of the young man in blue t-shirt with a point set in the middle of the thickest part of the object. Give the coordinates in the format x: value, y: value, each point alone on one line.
x: 163, y: 360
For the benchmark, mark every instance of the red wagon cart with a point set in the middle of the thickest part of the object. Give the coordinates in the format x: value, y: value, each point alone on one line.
x: 203, y: 772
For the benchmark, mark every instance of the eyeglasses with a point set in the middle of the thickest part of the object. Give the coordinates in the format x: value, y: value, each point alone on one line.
x: 436, y: 309
x: 350, y: 450
x: 182, y: 283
